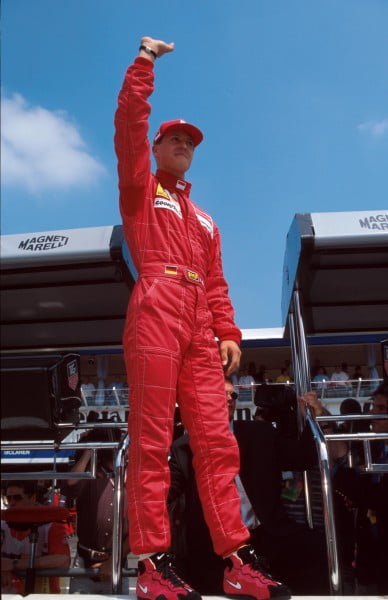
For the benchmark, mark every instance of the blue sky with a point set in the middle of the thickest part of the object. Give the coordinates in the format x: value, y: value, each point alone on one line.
x: 292, y: 96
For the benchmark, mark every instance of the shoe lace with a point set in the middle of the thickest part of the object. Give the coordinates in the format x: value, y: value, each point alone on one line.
x: 168, y: 571
x: 259, y: 563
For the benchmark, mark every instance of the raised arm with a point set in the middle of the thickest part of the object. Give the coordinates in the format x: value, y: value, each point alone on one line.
x: 131, y: 123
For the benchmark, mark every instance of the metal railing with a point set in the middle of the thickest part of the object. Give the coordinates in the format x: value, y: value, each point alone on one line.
x: 368, y: 466
x: 111, y: 396
x: 54, y: 475
x: 300, y: 361
x: 356, y: 388
x: 108, y: 404
x: 113, y: 404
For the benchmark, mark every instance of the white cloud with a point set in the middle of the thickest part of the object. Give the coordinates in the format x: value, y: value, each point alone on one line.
x: 375, y: 128
x: 42, y: 149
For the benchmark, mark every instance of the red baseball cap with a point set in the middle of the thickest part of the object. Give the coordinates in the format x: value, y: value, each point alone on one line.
x: 195, y: 133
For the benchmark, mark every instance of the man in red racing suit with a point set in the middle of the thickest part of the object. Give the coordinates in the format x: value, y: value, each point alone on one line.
x: 179, y: 304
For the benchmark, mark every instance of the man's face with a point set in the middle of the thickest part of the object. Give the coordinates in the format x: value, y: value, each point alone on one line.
x: 16, y: 497
x: 380, y: 407
x: 231, y: 397
x: 174, y: 152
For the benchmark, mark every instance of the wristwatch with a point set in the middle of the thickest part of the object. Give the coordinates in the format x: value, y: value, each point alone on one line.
x: 148, y: 50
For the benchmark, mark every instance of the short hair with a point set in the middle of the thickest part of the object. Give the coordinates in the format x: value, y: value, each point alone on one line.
x: 29, y: 487
x: 350, y: 406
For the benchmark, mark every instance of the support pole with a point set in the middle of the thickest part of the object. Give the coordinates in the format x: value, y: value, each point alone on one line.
x: 118, y: 516
x: 303, y: 385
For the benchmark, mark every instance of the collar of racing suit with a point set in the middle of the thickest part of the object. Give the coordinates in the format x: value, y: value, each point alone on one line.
x: 173, y: 183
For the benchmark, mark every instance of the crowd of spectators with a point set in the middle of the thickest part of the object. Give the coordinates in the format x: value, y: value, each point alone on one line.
x: 335, y: 379
x: 338, y: 378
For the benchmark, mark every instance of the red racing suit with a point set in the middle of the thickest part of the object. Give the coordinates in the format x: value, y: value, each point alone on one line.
x: 179, y: 304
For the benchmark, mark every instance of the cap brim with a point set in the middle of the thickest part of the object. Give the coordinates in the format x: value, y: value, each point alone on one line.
x: 195, y: 133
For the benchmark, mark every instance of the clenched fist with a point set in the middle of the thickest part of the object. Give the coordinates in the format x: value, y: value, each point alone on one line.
x: 158, y: 46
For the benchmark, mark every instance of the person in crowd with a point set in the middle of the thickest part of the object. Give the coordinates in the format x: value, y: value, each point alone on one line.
x: 365, y: 496
x: 115, y: 390
x: 245, y: 380
x: 284, y: 376
x: 320, y: 378
x: 346, y: 453
x: 355, y: 450
x: 358, y: 373
x: 339, y: 377
x: 262, y: 375
x: 350, y: 406
x: 380, y: 407
x: 88, y: 390
x: 180, y: 303
x: 52, y: 550
x: 246, y: 385
x: 295, y: 554
x: 94, y: 504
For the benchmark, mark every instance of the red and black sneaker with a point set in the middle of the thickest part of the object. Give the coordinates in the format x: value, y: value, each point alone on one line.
x: 244, y: 577
x: 157, y: 580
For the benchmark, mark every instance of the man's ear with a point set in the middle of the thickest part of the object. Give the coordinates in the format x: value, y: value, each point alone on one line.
x: 155, y: 152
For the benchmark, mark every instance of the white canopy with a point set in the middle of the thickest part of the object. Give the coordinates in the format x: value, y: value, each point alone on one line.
x: 338, y: 263
x: 64, y: 289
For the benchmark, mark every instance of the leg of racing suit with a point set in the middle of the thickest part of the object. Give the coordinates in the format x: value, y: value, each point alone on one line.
x: 170, y: 347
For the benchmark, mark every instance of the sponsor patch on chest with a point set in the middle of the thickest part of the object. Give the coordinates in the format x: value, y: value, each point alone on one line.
x: 163, y: 199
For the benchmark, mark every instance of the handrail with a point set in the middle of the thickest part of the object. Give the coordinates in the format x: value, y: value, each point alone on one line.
x: 369, y: 436
x: 115, y: 394
x: 55, y: 475
x: 329, y: 393
x: 366, y: 437
x: 327, y: 498
x: 118, y: 504
x: 356, y: 384
x: 326, y: 390
x: 363, y: 417
x: 303, y: 385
